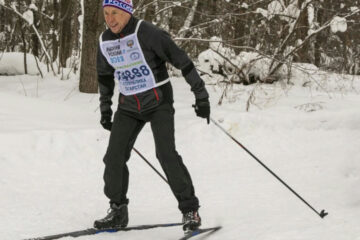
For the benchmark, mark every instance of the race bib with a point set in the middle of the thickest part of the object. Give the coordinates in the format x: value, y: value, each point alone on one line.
x: 131, y: 69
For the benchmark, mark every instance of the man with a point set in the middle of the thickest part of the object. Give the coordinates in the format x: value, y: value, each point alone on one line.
x: 134, y: 53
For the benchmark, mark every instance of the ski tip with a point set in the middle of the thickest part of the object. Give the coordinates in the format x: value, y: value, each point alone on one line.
x: 216, y: 228
x: 198, y: 231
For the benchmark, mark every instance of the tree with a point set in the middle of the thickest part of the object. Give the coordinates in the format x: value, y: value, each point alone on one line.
x: 66, y: 7
x: 55, y: 23
x: 270, y: 27
x: 90, y: 36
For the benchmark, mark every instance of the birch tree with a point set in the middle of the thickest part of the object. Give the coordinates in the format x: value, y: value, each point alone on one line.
x: 189, y: 20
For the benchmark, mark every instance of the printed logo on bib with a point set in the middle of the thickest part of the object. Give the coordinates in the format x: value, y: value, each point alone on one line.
x: 135, y: 56
x: 130, y: 43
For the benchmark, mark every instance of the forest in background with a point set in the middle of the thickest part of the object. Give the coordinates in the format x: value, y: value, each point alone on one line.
x: 64, y: 33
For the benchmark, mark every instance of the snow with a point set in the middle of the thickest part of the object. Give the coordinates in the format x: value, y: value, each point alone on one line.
x: 33, y: 7
x: 338, y: 24
x: 52, y: 144
x: 274, y: 7
x: 311, y: 18
x: 2, y: 2
x: 29, y: 17
x: 245, y: 5
x: 13, y: 64
x: 212, y: 62
x: 354, y: 9
x: 2, y: 38
x: 292, y: 11
x: 263, y: 12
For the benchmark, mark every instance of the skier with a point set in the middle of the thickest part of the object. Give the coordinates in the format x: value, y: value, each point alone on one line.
x: 134, y: 53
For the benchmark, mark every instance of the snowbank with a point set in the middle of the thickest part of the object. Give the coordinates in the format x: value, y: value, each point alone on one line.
x: 220, y: 68
x: 338, y: 24
x: 12, y: 63
x: 52, y: 150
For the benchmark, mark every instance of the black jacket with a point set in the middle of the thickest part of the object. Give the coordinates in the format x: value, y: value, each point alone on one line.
x: 158, y: 48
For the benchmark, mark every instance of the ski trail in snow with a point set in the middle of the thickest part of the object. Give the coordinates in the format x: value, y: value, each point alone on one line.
x: 51, y: 166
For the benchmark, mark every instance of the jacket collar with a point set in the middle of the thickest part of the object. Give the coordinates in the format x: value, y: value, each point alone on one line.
x: 128, y: 29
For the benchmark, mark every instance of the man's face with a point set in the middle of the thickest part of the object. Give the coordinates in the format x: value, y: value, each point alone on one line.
x: 115, y: 18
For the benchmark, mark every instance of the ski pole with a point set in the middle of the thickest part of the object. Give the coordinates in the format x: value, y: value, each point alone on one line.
x: 322, y: 214
x: 153, y: 168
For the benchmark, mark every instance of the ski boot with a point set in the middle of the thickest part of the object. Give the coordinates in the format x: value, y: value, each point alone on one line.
x: 191, y: 221
x: 117, y: 217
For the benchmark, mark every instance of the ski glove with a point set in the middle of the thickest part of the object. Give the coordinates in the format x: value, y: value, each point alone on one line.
x: 202, y: 108
x: 106, y: 122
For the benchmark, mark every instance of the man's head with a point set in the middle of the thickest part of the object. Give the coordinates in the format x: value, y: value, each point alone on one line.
x: 117, y: 13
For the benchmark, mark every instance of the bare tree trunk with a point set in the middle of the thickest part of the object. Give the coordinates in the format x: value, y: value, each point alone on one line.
x: 345, y: 39
x: 319, y: 39
x: 76, y: 26
x: 55, y: 28
x: 24, y: 50
x: 34, y: 38
x: 2, y: 26
x: 189, y: 20
x: 302, y: 55
x: 66, y: 7
x: 157, y: 9
x: 88, y: 75
x: 163, y: 14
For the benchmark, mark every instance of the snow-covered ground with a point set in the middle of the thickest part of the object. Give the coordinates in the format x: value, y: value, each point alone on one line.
x: 51, y: 149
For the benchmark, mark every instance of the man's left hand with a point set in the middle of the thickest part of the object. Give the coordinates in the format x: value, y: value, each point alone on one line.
x: 202, y: 108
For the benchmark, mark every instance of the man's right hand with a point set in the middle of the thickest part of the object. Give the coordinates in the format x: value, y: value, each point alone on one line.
x: 106, y: 122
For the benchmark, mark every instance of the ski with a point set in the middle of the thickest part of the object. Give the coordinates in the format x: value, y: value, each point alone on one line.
x: 201, y: 231
x: 93, y: 231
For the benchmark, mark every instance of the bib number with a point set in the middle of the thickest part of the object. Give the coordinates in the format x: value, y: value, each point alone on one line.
x: 133, y: 73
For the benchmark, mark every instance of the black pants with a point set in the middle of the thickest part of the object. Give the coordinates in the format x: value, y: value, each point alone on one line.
x: 125, y: 129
